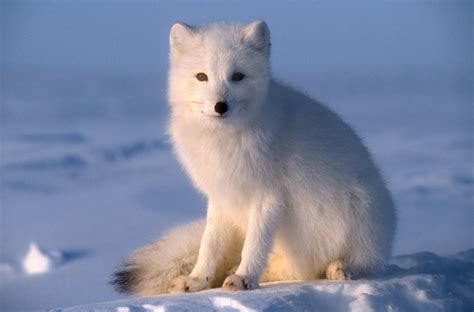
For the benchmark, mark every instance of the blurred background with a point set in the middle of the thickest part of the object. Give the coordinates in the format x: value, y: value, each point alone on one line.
x: 86, y: 170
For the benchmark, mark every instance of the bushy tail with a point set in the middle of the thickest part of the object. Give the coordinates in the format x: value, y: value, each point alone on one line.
x: 150, y: 269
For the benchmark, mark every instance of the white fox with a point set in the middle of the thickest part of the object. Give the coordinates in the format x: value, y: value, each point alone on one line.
x: 292, y: 192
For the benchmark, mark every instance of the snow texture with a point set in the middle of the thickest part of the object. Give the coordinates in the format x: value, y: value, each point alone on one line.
x: 416, y: 282
x: 36, y: 261
x: 88, y: 175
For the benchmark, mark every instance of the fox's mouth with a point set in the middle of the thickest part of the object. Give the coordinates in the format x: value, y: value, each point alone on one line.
x: 220, y: 116
x: 216, y: 116
x: 228, y: 115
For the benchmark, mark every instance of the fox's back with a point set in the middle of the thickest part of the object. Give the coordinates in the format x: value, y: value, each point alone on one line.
x: 315, y: 137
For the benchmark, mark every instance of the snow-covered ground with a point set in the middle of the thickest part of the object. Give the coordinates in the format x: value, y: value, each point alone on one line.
x: 417, y: 282
x: 87, y: 174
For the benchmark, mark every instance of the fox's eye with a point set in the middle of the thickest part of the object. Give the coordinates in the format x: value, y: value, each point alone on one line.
x: 237, y: 76
x: 201, y: 77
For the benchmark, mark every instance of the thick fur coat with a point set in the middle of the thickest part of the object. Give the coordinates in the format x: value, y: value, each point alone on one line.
x: 292, y: 192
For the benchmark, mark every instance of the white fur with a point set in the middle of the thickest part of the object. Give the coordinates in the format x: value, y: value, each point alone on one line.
x: 290, y: 186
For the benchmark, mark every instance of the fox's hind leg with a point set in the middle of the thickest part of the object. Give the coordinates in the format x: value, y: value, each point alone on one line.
x: 338, y: 271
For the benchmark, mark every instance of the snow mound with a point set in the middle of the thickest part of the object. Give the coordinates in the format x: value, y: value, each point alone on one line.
x: 418, y: 282
x: 39, y: 261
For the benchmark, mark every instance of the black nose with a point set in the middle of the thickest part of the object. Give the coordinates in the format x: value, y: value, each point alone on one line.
x: 221, y: 108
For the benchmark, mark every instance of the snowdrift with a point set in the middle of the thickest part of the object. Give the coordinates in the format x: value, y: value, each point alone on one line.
x: 416, y: 282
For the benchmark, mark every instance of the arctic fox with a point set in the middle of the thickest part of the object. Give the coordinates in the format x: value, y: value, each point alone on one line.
x: 292, y: 192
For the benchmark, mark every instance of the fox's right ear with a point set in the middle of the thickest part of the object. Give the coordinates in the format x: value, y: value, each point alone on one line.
x: 257, y: 35
x: 180, y: 36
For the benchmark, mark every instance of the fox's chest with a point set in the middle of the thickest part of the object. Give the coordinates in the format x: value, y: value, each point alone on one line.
x: 229, y: 169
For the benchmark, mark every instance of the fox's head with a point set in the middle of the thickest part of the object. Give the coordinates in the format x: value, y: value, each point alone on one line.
x: 219, y: 73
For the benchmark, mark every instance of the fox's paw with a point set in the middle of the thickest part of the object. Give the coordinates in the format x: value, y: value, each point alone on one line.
x: 336, y: 271
x: 238, y: 282
x: 188, y: 284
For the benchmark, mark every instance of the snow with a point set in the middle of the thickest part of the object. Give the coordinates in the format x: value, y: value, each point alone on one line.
x: 417, y: 282
x: 153, y: 308
x: 39, y: 261
x: 36, y: 261
x: 87, y: 173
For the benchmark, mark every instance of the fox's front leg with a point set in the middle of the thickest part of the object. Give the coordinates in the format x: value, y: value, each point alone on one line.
x: 263, y: 222
x: 212, y: 247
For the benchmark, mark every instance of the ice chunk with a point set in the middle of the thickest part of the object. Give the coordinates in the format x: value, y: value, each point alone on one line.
x: 36, y: 261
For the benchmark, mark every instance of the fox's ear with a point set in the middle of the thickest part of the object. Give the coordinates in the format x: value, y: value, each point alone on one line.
x: 257, y: 35
x: 181, y: 35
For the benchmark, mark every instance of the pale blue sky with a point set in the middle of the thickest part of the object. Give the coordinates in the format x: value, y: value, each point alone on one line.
x: 352, y: 36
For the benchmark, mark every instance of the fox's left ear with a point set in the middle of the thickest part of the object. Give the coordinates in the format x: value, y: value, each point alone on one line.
x: 257, y: 35
x: 181, y: 36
